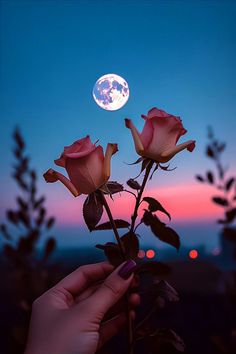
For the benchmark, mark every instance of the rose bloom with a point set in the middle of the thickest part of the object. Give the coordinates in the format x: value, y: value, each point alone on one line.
x: 87, y: 167
x: 160, y: 135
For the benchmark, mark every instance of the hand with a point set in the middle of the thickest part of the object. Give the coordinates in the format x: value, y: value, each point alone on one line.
x: 70, y: 317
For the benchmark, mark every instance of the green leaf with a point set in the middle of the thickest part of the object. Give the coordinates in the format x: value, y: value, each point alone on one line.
x: 154, y: 205
x: 92, y: 211
x: 120, y: 224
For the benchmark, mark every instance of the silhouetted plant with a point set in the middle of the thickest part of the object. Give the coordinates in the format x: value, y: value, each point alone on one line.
x: 226, y: 199
x: 224, y: 184
x: 25, y: 225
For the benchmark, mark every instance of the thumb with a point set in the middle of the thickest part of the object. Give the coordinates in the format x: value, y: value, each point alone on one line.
x: 113, y: 288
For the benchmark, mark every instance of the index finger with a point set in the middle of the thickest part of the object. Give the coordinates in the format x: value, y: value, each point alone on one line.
x: 84, y: 276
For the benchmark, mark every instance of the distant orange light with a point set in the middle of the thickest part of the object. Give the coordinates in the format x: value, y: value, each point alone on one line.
x: 141, y: 254
x: 193, y: 254
x: 150, y: 254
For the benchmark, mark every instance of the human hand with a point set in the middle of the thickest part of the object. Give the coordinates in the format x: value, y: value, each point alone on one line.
x: 69, y: 318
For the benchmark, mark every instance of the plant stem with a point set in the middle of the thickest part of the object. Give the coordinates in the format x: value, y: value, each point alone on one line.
x: 109, y: 214
x: 122, y: 251
x: 135, y: 214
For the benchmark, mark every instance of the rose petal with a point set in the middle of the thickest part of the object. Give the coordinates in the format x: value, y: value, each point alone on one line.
x: 79, y: 148
x: 52, y: 176
x: 136, y: 136
x: 86, y: 173
x: 147, y: 133
x: 110, y: 150
x: 167, y: 155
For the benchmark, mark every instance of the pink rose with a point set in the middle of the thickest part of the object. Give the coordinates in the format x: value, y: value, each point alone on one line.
x: 87, y: 167
x: 160, y: 135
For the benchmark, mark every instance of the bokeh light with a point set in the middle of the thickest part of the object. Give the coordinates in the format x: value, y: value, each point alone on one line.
x: 150, y: 254
x: 141, y: 254
x: 193, y: 254
x: 216, y: 251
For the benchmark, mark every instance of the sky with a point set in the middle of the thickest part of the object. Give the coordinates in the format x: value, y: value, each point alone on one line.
x: 175, y: 55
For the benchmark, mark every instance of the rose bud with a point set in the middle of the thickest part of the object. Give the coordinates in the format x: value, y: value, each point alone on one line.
x: 160, y: 135
x: 87, y: 167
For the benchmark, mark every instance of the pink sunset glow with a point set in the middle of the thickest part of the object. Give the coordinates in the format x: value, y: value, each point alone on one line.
x: 190, y: 202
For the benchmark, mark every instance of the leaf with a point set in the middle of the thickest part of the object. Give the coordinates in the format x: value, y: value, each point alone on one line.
x: 22, y: 203
x: 230, y: 215
x: 166, y: 291
x: 114, y: 187
x: 120, y: 224
x: 136, y: 162
x: 50, y: 223
x: 39, y: 202
x: 230, y: 234
x: 49, y: 247
x: 154, y: 205
x: 92, y: 211
x: 5, y: 232
x: 133, y: 184
x: 18, y: 139
x: 160, y: 230
x: 112, y: 252
x: 153, y: 267
x: 200, y: 178
x: 210, y: 177
x: 12, y: 217
x: 210, y: 153
x: 131, y: 244
x: 166, y: 337
x: 41, y: 217
x: 221, y: 201
x: 166, y: 168
x: 229, y: 184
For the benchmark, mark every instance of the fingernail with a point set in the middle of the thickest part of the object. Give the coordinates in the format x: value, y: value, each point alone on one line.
x: 127, y: 269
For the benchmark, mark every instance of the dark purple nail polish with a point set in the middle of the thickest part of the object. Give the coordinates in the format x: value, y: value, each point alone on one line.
x: 127, y: 269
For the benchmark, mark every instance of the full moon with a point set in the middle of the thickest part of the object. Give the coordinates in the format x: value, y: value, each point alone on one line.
x: 111, y: 92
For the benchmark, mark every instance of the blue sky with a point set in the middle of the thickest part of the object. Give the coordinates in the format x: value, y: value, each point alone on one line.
x: 177, y: 55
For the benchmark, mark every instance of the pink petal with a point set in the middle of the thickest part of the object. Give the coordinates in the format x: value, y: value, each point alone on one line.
x: 79, y: 148
x: 136, y: 136
x: 147, y: 133
x: 61, y: 161
x: 168, y: 154
x: 86, y: 173
x: 52, y: 176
